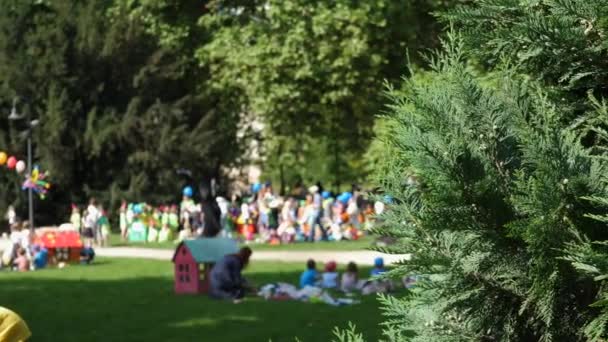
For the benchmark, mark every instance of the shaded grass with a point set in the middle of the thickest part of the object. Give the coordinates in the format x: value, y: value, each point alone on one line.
x: 133, y: 300
x: 360, y: 244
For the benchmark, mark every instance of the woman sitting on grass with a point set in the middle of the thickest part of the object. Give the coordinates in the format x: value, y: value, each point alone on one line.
x: 226, y: 280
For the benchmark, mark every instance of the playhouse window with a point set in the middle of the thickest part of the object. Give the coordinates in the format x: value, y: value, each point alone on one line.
x: 181, y: 267
x: 187, y: 268
x: 187, y: 279
x: 181, y: 278
x: 183, y: 251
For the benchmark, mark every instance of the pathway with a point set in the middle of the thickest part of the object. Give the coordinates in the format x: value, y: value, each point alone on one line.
x: 342, y: 257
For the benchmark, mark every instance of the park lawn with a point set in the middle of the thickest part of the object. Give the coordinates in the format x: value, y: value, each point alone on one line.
x: 133, y: 300
x: 361, y: 244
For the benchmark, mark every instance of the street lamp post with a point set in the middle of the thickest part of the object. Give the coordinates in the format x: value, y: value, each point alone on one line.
x: 30, y: 124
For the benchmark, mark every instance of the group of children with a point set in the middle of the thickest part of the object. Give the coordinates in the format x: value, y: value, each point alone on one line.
x: 311, y: 216
x: 141, y: 222
x: 349, y: 281
x: 20, y: 254
x: 315, y: 286
x: 93, y: 224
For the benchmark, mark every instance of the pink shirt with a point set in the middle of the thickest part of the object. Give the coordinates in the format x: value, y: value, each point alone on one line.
x: 23, y: 265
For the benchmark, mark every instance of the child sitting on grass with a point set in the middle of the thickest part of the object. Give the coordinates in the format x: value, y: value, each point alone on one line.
x: 378, y: 267
x: 22, y: 263
x: 329, y: 278
x: 41, y: 257
x: 350, y: 278
x: 377, y: 285
x: 309, y: 277
x: 87, y: 254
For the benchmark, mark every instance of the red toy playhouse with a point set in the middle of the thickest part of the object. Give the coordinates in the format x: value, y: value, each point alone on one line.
x: 194, y: 259
x: 63, y: 245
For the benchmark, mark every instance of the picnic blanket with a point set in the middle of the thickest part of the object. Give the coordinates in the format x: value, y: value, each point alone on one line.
x: 313, y: 294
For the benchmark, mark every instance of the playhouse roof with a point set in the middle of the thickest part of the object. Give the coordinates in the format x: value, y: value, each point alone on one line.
x: 208, y: 249
x: 55, y: 238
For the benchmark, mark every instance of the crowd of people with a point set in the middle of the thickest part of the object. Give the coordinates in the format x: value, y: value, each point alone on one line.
x: 311, y: 216
x: 314, y: 285
x: 93, y: 223
x: 227, y: 281
x: 262, y: 216
x: 20, y: 252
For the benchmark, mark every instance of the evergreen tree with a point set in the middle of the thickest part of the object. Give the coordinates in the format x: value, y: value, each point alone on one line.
x: 499, y: 218
x: 506, y: 220
x: 560, y: 42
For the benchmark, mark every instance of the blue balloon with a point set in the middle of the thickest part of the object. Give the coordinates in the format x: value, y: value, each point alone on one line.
x: 255, y: 188
x: 326, y: 194
x: 388, y: 199
x: 138, y: 209
x: 345, y: 197
x: 188, y: 191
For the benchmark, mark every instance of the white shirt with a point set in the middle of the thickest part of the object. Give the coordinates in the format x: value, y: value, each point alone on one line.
x: 349, y: 281
x: 329, y: 280
x: 92, y: 216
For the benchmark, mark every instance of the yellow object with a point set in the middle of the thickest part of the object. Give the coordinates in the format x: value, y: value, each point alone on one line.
x: 3, y: 158
x: 35, y: 174
x: 12, y: 327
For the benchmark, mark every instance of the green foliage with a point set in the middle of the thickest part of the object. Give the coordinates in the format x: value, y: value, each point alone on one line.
x: 498, y: 205
x: 121, y: 107
x: 348, y: 335
x: 561, y: 42
x: 506, y: 218
x: 312, y: 70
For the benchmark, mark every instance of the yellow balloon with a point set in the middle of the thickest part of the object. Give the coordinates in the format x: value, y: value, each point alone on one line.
x: 3, y: 158
x: 35, y: 175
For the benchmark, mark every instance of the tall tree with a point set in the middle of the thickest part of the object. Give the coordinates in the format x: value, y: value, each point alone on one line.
x: 120, y: 108
x: 312, y: 69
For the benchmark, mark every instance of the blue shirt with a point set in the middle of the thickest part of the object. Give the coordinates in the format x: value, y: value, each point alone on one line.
x: 41, y: 258
x: 376, y: 271
x: 308, y: 278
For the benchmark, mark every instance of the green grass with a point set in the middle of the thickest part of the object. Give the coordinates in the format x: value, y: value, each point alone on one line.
x: 360, y: 244
x: 133, y: 300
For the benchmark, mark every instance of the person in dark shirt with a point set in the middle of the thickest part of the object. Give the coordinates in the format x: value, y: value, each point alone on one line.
x: 226, y: 279
x: 211, y: 212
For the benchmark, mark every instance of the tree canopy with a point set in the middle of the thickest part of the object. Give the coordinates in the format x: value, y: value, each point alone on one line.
x: 119, y: 110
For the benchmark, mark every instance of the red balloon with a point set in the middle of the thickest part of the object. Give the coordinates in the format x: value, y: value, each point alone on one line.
x: 11, y: 162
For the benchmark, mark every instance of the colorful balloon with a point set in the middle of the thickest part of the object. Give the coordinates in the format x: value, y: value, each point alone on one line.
x: 3, y: 158
x: 11, y: 162
x: 255, y: 188
x: 37, y: 182
x: 188, y: 192
x: 20, y: 167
